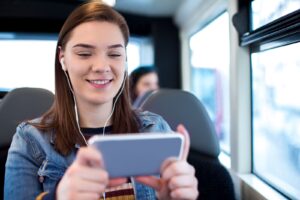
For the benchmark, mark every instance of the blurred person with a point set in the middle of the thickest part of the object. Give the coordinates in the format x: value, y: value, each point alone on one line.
x: 142, y: 80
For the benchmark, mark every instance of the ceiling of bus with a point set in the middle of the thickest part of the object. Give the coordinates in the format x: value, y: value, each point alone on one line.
x: 148, y: 8
x: 153, y: 8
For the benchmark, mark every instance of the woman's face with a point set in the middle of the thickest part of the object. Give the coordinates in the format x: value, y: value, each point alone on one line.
x: 146, y: 83
x: 95, y: 59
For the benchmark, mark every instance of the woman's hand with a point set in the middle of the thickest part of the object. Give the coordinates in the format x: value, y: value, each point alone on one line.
x: 177, y: 179
x: 85, y: 178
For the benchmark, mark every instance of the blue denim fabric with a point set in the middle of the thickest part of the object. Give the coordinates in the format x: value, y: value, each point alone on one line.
x: 33, y: 166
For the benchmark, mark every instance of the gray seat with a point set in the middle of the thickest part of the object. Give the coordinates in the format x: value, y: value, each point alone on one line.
x: 181, y: 107
x: 19, y: 105
x: 141, y: 99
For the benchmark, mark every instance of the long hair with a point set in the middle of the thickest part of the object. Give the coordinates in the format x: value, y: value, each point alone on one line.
x: 61, y: 116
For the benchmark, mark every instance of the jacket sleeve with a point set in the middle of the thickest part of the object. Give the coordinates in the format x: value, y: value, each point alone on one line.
x: 21, y: 179
x: 164, y: 125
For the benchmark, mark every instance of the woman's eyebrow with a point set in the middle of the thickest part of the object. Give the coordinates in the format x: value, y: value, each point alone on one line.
x: 115, y: 46
x: 89, y: 46
x: 84, y: 46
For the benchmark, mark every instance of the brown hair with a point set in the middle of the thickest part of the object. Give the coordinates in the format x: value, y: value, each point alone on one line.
x: 61, y: 116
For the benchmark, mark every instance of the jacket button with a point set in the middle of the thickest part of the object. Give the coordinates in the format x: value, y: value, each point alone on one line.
x: 41, y: 179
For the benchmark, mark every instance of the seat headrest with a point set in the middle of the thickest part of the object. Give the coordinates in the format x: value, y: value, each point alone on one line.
x: 181, y: 107
x: 141, y: 99
x: 19, y: 105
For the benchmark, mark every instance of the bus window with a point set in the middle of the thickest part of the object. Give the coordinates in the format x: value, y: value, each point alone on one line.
x: 264, y: 12
x: 140, y: 51
x: 210, y: 73
x: 275, y: 69
x: 26, y: 59
x: 276, y: 116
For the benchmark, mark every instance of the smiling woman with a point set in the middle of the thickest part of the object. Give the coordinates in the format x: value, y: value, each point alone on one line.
x: 91, y: 92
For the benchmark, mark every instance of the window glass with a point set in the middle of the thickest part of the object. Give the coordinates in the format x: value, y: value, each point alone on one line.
x: 265, y: 11
x: 139, y: 52
x: 210, y: 73
x: 27, y: 60
x: 276, y: 117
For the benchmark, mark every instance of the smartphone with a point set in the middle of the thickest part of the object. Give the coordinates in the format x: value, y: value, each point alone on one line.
x: 138, y: 154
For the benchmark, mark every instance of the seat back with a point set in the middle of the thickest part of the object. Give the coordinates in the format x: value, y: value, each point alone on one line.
x: 177, y: 106
x: 141, y: 99
x: 181, y: 107
x: 19, y: 105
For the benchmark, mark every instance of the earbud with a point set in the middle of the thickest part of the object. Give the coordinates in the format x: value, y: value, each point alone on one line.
x: 63, y: 64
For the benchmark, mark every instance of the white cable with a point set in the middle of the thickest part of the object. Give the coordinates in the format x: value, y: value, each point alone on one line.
x: 75, y: 108
x: 114, y: 105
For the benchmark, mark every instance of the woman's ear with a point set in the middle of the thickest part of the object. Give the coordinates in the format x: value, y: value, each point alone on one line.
x: 61, y: 59
x: 62, y: 63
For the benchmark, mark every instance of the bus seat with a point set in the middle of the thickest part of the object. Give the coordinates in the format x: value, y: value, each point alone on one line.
x: 181, y: 107
x: 19, y: 105
x: 141, y: 99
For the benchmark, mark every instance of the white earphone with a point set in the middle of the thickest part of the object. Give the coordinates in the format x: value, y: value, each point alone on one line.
x: 63, y: 64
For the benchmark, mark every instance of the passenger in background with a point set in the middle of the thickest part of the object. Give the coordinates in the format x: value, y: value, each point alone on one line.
x: 49, y: 157
x: 142, y: 80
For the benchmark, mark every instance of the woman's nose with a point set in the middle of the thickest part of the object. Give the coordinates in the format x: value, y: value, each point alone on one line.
x: 101, y: 64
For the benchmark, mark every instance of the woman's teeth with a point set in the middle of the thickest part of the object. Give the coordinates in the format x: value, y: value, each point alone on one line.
x: 99, y: 82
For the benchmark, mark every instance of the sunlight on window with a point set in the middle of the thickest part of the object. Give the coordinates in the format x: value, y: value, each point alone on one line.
x: 27, y: 60
x: 276, y: 117
x: 27, y: 63
x: 133, y: 61
x: 210, y: 73
x: 265, y: 11
x: 140, y: 51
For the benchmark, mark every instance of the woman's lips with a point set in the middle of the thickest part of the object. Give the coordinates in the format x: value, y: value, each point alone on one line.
x: 100, y: 83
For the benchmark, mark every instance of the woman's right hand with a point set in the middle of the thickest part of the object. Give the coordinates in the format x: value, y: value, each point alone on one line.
x: 85, y: 178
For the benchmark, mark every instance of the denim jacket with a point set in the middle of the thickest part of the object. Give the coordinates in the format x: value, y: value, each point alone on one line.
x: 33, y: 166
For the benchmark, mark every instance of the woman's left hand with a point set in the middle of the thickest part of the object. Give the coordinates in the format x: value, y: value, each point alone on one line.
x: 177, y: 179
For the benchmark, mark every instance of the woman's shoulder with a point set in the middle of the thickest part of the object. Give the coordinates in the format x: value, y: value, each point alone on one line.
x: 37, y: 147
x: 29, y: 141
x: 150, y: 122
x: 31, y: 133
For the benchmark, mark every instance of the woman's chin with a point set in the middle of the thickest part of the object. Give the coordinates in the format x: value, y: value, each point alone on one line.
x: 100, y: 101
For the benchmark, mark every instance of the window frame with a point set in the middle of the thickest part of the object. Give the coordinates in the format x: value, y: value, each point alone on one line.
x: 278, y: 33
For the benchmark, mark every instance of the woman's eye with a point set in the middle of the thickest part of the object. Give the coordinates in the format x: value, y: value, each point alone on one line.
x: 114, y: 55
x: 84, y: 54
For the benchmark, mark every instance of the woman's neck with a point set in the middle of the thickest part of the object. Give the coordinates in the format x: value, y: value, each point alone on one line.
x: 94, y: 115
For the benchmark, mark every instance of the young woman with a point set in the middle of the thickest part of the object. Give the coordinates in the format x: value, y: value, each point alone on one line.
x: 142, y: 80
x: 49, y: 156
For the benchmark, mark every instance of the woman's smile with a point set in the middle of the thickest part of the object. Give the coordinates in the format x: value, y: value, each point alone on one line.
x: 100, y: 83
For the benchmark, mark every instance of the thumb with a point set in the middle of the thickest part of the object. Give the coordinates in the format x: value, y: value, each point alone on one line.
x: 186, y: 146
x: 89, y: 156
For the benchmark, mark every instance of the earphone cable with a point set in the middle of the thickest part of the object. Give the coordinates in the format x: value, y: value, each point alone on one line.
x: 114, y: 105
x: 75, y: 108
